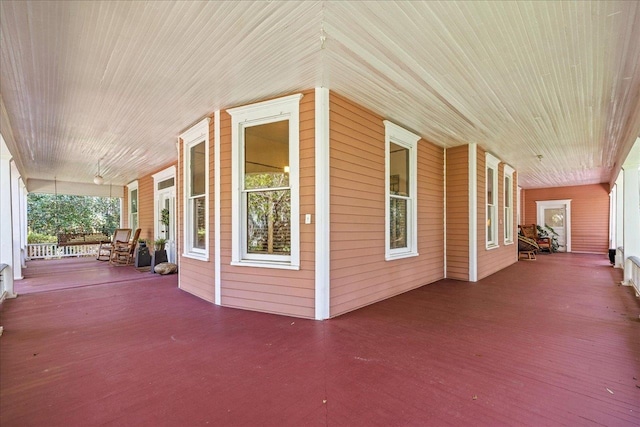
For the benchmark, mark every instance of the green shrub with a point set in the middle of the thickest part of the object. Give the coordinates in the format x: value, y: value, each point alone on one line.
x: 41, y: 238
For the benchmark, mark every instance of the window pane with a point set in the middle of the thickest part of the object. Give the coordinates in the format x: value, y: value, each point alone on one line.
x: 398, y: 170
x: 165, y: 184
x: 398, y: 226
x: 198, y: 168
x: 491, y: 223
x: 266, y: 155
x: 199, y: 223
x: 134, y: 201
x: 554, y: 217
x: 490, y: 186
x: 268, y: 222
x: 134, y: 221
x: 507, y: 192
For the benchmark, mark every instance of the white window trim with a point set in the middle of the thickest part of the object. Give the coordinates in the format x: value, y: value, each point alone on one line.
x: 492, y: 162
x: 195, y: 135
x: 408, y: 140
x: 133, y: 185
x: 285, y: 108
x: 508, y: 216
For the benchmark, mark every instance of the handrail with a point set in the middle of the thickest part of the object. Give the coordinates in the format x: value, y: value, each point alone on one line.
x: 53, y: 250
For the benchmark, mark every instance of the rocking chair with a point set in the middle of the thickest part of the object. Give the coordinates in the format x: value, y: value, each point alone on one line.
x: 124, y: 252
x: 106, y: 247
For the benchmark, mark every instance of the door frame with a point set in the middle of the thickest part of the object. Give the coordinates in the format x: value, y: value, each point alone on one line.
x: 541, y: 205
x: 163, y: 175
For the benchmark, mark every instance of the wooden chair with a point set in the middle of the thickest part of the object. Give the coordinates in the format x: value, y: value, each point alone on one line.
x: 527, y: 248
x: 124, y: 252
x: 105, y: 250
x: 531, y: 231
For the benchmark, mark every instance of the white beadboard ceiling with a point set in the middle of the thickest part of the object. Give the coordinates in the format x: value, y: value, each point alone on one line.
x: 119, y: 81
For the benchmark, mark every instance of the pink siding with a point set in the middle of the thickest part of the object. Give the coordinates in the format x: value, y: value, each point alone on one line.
x: 196, y: 276
x: 264, y: 289
x: 495, y: 259
x: 589, y: 214
x: 458, y: 213
x: 359, y: 273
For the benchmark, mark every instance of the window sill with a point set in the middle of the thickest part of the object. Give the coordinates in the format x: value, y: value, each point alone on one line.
x: 392, y: 257
x: 492, y: 247
x: 198, y: 257
x: 265, y: 264
x: 509, y: 242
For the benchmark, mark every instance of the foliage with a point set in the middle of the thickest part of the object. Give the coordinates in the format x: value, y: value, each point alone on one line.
x: 52, y: 214
x: 268, y: 213
x: 164, y: 217
x: 41, y: 238
x: 548, y: 231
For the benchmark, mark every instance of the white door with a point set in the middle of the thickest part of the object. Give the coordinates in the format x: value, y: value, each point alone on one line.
x: 165, y: 209
x: 166, y: 221
x: 557, y: 215
x: 555, y: 218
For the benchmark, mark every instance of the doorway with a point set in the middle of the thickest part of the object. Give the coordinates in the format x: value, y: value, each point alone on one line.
x: 165, y: 209
x: 557, y: 215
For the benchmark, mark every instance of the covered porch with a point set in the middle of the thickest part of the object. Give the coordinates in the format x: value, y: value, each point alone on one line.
x: 552, y: 342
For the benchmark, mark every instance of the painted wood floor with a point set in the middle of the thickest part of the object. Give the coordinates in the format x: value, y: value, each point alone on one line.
x: 544, y: 343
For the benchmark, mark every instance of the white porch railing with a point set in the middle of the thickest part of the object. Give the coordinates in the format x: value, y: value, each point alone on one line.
x: 52, y: 250
x: 633, y: 263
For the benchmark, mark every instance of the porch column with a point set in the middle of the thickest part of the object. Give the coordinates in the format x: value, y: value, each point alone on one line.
x: 6, y: 233
x: 16, y: 217
x: 631, y: 215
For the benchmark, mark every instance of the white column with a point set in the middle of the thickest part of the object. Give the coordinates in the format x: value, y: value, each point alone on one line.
x: 16, y: 203
x: 6, y: 233
x: 631, y: 215
x: 322, y: 219
x: 619, y: 219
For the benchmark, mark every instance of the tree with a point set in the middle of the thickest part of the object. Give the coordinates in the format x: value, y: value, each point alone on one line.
x: 52, y: 214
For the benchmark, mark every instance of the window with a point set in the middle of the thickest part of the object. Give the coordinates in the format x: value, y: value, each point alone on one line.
x: 133, y: 204
x: 492, y: 200
x: 508, y: 204
x: 196, y: 190
x: 265, y: 204
x: 401, y: 210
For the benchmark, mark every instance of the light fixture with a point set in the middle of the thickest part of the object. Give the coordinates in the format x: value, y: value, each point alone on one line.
x: 98, y: 179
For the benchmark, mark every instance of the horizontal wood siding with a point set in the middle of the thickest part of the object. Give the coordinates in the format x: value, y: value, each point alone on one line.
x: 589, y: 214
x: 495, y: 259
x: 196, y: 276
x: 270, y: 290
x: 359, y: 273
x: 458, y: 213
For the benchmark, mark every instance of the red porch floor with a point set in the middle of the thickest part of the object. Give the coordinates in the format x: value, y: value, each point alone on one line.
x: 551, y: 342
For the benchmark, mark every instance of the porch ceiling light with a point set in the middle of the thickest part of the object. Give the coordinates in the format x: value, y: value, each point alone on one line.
x: 98, y: 179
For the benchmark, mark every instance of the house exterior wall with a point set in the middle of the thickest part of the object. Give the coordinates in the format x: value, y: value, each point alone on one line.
x: 589, y: 214
x: 195, y: 276
x: 359, y: 273
x: 145, y: 208
x: 457, y: 176
x: 272, y: 290
x: 494, y: 259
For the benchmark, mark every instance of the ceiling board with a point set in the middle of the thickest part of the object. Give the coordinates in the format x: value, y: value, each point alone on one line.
x: 119, y: 81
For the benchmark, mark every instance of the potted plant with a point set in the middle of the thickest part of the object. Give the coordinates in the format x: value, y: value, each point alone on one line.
x: 159, y: 244
x: 547, y: 231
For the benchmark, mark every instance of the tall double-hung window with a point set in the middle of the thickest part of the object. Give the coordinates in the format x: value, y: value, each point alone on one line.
x: 265, y: 200
x: 508, y: 204
x: 492, y: 200
x: 132, y: 187
x: 196, y: 190
x: 401, y: 210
